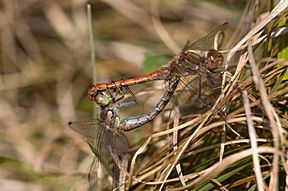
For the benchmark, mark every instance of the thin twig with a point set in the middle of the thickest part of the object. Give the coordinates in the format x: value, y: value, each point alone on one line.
x: 252, y: 135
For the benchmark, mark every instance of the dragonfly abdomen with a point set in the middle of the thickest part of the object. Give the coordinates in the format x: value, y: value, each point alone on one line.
x: 130, y: 123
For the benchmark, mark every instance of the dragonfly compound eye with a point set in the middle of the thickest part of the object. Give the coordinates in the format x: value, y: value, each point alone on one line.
x: 98, y: 96
x: 214, y: 59
x: 101, y: 99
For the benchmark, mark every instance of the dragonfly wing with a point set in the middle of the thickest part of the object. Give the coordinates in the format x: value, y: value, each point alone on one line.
x: 93, y: 132
x: 206, y: 42
x: 88, y: 130
x: 117, y: 146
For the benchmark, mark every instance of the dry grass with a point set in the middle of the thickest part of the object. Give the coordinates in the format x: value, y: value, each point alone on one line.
x: 239, y: 143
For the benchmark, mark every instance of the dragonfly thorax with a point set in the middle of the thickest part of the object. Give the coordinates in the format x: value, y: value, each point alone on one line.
x: 188, y: 63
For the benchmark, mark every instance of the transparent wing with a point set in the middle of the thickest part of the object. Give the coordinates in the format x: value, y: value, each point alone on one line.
x: 88, y: 130
x: 117, y: 145
x: 207, y: 41
x: 108, y: 144
x: 93, y: 132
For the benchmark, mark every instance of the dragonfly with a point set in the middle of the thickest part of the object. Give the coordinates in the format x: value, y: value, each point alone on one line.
x: 187, y: 63
x: 105, y: 135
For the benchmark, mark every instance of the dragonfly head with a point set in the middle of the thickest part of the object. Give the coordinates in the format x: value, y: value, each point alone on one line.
x: 214, y: 59
x: 99, y: 96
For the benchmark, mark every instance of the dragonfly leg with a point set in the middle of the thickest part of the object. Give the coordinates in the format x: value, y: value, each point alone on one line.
x: 129, y: 103
x: 120, y: 96
x: 131, y: 93
x: 117, y: 93
x: 133, y: 102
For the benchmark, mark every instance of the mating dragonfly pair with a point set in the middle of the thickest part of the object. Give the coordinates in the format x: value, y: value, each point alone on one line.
x: 105, y: 136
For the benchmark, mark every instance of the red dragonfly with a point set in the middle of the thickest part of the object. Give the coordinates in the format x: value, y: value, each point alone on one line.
x: 187, y: 63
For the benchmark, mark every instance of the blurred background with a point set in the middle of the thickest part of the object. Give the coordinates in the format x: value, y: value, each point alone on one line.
x: 45, y: 71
